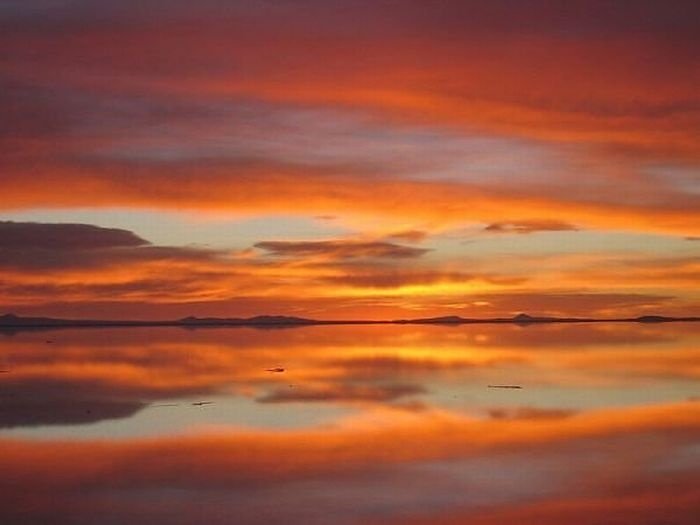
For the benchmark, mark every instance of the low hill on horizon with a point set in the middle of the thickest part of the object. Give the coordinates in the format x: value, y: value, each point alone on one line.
x: 10, y: 320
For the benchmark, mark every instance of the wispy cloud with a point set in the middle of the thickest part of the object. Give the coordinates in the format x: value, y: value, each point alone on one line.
x: 342, y: 249
x: 525, y: 227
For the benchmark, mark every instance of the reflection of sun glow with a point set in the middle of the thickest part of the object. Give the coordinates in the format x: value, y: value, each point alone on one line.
x: 114, y: 410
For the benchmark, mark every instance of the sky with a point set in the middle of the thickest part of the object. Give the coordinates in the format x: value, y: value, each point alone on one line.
x: 349, y: 159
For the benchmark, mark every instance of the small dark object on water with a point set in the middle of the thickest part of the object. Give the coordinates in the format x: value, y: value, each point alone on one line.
x: 277, y: 369
x: 4, y: 371
x: 202, y: 403
x: 49, y: 342
x: 505, y: 386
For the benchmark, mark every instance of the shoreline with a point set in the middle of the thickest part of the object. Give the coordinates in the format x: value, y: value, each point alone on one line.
x: 18, y: 323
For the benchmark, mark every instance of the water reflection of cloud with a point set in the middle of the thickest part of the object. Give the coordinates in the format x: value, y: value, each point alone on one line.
x: 123, y: 370
x: 595, y: 455
x: 341, y: 393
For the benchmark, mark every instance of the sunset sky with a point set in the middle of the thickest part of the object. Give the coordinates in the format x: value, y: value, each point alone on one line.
x: 349, y: 159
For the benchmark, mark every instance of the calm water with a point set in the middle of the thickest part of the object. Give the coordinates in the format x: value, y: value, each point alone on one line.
x: 366, y: 424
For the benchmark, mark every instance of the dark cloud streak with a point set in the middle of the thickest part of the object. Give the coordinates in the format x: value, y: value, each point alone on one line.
x: 341, y: 249
x: 28, y: 246
x: 34, y: 235
x: 342, y: 393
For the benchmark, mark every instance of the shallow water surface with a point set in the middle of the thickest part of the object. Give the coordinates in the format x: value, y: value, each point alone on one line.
x: 359, y: 424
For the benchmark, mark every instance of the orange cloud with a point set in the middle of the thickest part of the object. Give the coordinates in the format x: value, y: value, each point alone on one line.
x: 620, y: 108
x: 247, y: 190
x: 524, y: 227
x: 421, y: 120
x: 639, y: 272
x: 82, y: 270
x: 593, y: 77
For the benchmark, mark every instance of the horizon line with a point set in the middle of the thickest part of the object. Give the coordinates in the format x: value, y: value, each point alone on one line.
x: 10, y: 320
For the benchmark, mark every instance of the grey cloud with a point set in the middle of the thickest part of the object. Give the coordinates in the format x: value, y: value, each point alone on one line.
x: 64, y: 236
x: 342, y: 393
x: 341, y: 249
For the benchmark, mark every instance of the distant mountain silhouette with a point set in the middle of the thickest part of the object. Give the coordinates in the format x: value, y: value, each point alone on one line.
x: 257, y: 320
x: 520, y: 319
x: 12, y: 322
x: 448, y: 319
x: 15, y: 320
x: 655, y: 319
